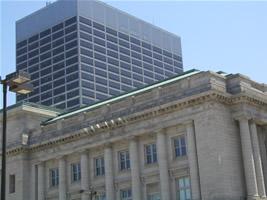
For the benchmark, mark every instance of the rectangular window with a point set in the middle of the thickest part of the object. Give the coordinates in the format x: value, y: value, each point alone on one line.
x: 179, y: 146
x: 21, y: 44
x: 183, y: 188
x: 146, y: 45
x: 23, y: 51
x: 70, y: 21
x: 166, y: 53
x: 45, y: 40
x: 73, y: 102
x: 153, y: 191
x: 125, y: 44
x: 57, y: 27
x: 114, y: 77
x: 135, y: 41
x: 99, y: 166
x: 73, y: 94
x: 151, y: 153
x: 85, y: 21
x: 33, y: 53
x: 71, y: 85
x: 126, y: 194
x: 100, y: 49
x: 155, y: 196
x: 112, y: 39
x: 123, y: 36
x: 86, y: 36
x: 57, y: 35
x: 112, y: 54
x: 114, y: 92
x: 61, y: 106
x: 12, y: 183
x: 22, y: 58
x: 124, y: 160
x: 58, y: 42
x: 99, y: 33
x: 111, y: 31
x: 59, y: 98
x: 99, y: 41
x: 98, y: 26
x: 70, y: 29
x: 54, y: 177
x: 33, y: 38
x: 112, y: 46
x: 100, y: 196
x: 33, y: 46
x: 45, y: 33
x: 75, y: 172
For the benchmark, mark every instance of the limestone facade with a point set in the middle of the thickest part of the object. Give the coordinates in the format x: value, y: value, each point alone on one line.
x: 202, y: 135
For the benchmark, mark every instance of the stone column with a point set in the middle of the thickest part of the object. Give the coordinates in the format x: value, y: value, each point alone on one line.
x: 62, y: 188
x: 109, y: 178
x: 41, y: 181
x: 192, y: 160
x: 262, y: 139
x: 33, y: 181
x: 135, y: 169
x: 163, y: 165
x: 248, y: 160
x: 257, y: 159
x: 85, y: 175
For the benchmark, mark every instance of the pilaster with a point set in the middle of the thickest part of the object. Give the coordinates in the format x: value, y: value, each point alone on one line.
x: 257, y: 159
x: 163, y: 165
x: 41, y: 181
x: 248, y: 158
x: 62, y: 188
x: 109, y: 177
x: 85, y: 175
x: 192, y: 159
x: 135, y: 168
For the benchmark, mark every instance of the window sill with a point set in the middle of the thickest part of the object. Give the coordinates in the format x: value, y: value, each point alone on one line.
x: 76, y: 182
x: 124, y: 171
x: 179, y: 158
x: 151, y: 165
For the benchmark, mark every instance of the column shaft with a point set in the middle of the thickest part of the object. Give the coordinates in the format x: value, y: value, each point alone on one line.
x: 33, y: 182
x: 192, y: 159
x: 135, y: 170
x: 263, y: 150
x: 163, y: 166
x: 41, y: 181
x: 84, y: 176
x: 109, y: 179
x: 248, y: 160
x: 62, y: 188
x: 257, y: 159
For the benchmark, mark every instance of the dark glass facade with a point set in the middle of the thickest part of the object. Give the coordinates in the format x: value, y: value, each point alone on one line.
x: 80, y: 61
x: 51, y: 57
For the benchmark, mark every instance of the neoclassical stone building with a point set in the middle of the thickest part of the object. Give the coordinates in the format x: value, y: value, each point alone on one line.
x: 200, y: 135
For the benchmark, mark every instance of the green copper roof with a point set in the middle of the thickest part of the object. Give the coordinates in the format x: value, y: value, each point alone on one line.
x: 123, y: 96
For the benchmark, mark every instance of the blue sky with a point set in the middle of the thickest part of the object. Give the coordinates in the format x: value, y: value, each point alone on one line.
x: 227, y: 36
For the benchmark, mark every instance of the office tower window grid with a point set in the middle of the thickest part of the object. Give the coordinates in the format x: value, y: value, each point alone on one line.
x: 51, y: 57
x: 113, y: 62
x: 80, y: 61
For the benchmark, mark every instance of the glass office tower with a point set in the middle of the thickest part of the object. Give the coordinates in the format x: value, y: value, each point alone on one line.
x: 80, y: 52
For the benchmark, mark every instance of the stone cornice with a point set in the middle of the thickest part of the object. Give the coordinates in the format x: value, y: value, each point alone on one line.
x: 78, y: 131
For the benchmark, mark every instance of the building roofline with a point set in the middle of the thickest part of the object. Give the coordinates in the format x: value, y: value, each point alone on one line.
x: 106, y: 4
x: 122, y: 96
x: 35, y: 12
x: 135, y: 17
